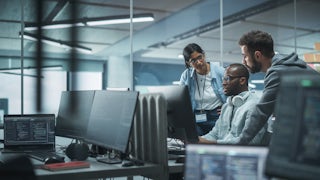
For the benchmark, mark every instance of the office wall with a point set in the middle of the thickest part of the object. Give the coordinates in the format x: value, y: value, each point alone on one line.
x: 53, y: 83
x: 173, y: 38
x: 156, y: 74
x: 85, y: 80
x: 119, y: 73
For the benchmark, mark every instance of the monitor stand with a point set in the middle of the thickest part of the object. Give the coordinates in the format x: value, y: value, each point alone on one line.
x: 109, y: 160
x: 112, y: 156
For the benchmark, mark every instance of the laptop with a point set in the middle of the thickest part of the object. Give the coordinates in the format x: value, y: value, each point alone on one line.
x: 29, y: 133
x: 225, y: 162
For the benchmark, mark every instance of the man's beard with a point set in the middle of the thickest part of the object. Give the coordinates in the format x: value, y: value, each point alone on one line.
x: 235, y: 90
x: 256, y: 66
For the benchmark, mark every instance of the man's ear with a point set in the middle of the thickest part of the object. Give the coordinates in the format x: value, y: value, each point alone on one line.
x: 257, y: 54
x: 243, y: 81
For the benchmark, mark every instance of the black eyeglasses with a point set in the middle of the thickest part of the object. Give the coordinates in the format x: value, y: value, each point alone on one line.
x: 195, y: 59
x: 229, y: 78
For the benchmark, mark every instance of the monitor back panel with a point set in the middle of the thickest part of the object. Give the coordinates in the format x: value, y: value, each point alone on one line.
x: 74, y: 112
x: 294, y: 148
x: 31, y: 132
x: 180, y: 116
x: 224, y: 162
x: 111, y: 119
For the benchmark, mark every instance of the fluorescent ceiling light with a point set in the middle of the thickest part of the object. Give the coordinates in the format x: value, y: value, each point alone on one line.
x: 252, y: 85
x: 27, y: 68
x: 119, y: 21
x: 32, y: 27
x: 19, y: 74
x: 175, y: 82
x: 257, y: 81
x: 30, y: 71
x: 180, y: 56
x: 99, y: 21
x: 57, y: 43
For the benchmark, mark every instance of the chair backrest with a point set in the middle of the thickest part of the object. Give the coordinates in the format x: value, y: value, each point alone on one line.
x: 16, y: 167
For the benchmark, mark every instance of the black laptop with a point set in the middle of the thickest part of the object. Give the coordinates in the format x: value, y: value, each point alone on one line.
x: 29, y: 133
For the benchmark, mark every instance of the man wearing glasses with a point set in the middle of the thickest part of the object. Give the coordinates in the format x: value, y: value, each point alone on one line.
x: 236, y: 111
x: 204, y: 81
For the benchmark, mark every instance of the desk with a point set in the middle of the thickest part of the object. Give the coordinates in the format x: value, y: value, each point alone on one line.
x: 175, y: 167
x: 101, y: 170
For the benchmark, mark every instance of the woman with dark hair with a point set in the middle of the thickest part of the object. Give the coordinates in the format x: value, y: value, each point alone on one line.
x: 204, y: 81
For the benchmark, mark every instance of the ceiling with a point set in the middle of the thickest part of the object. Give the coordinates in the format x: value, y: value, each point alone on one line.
x: 176, y: 24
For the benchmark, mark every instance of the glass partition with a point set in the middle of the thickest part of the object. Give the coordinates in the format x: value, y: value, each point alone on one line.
x: 140, y: 53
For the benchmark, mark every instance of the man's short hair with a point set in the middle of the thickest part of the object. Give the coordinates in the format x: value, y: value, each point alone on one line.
x: 242, y: 70
x: 258, y: 41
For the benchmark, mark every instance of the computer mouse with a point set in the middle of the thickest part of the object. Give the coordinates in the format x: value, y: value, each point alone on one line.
x: 127, y: 163
x: 51, y: 160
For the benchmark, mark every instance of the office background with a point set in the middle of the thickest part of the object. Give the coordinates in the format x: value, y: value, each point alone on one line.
x: 135, y: 54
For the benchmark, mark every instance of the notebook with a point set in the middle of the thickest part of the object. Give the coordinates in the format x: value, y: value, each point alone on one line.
x: 66, y: 165
x: 225, y: 162
x: 29, y: 132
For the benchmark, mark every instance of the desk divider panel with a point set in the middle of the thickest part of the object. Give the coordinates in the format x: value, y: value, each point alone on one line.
x: 149, y: 135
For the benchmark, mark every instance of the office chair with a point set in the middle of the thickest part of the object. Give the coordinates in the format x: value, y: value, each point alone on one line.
x: 16, y: 167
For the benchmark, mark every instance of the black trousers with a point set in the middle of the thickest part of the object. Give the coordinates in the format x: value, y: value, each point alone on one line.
x: 205, y: 127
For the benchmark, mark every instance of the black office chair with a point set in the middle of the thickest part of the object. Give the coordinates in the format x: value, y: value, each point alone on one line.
x: 16, y: 167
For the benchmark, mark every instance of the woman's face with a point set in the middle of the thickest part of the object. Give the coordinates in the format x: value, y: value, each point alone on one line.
x: 197, y: 60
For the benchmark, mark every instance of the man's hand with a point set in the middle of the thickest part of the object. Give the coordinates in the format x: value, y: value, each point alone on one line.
x: 219, y: 110
x: 205, y: 141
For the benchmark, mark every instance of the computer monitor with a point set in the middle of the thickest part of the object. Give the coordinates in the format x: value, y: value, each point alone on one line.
x: 295, y: 143
x: 181, y: 119
x: 29, y: 132
x: 73, y: 115
x: 214, y: 161
x: 3, y: 110
x: 111, y: 119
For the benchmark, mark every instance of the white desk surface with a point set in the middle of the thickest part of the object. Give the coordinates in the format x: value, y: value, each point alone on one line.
x: 175, y: 167
x: 99, y: 170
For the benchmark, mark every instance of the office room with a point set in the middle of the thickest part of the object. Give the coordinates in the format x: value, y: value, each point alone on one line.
x: 49, y: 48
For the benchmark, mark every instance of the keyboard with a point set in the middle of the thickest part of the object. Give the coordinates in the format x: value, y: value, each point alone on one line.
x: 44, y: 155
x: 177, y: 151
x: 175, y: 143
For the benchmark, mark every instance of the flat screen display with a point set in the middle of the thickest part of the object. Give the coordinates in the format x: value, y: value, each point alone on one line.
x: 29, y: 132
x: 111, y: 119
x: 308, y: 149
x: 181, y: 119
x: 295, y: 143
x: 225, y: 162
x: 74, y: 112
